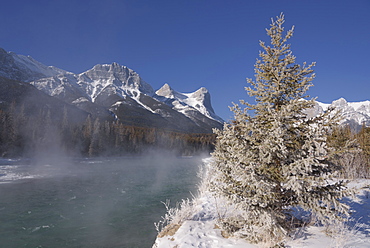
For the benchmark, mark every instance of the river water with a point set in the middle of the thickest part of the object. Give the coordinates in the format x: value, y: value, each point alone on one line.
x: 104, y: 202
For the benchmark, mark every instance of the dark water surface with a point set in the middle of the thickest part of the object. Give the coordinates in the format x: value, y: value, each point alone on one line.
x: 109, y: 202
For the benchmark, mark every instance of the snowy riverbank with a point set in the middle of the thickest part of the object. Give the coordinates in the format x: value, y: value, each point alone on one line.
x: 200, y: 229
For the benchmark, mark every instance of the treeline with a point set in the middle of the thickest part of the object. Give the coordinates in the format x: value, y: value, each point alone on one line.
x: 353, y: 148
x: 23, y: 135
x: 30, y: 135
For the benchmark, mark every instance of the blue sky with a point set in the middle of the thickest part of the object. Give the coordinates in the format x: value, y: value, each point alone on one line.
x: 194, y: 43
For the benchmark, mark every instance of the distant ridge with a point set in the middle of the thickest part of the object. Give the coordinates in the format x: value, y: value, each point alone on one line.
x: 24, y: 68
x: 113, y: 91
x: 354, y: 114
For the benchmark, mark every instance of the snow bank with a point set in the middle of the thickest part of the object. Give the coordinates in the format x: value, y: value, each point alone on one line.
x: 200, y: 229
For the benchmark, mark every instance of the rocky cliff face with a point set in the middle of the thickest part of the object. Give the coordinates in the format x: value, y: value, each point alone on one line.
x: 131, y: 100
x: 113, y: 91
x: 199, y: 100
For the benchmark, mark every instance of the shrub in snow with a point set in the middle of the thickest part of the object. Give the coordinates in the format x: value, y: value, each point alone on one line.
x: 174, y: 217
x: 353, y: 151
x: 272, y: 157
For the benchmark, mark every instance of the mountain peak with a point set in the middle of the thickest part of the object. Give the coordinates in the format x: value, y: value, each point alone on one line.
x: 199, y: 100
x: 109, y: 67
x: 340, y: 102
x: 202, y: 90
x: 116, y: 65
x: 117, y: 76
x: 165, y: 91
x: 117, y: 90
x: 353, y: 113
x: 202, y: 95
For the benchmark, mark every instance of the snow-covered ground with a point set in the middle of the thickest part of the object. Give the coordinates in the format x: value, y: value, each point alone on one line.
x: 200, y: 229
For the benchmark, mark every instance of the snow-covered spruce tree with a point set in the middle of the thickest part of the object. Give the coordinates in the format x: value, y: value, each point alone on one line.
x: 272, y: 157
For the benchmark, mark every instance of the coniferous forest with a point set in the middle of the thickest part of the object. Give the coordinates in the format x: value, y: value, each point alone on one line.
x: 22, y: 134
x: 32, y: 135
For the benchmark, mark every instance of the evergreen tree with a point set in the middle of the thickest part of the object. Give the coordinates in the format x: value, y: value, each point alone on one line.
x: 272, y: 158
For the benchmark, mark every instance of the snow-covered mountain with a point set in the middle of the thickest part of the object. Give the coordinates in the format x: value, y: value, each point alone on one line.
x: 187, y: 103
x: 24, y: 68
x: 114, y: 91
x: 96, y: 85
x: 130, y: 99
x: 354, y: 113
x: 118, y: 91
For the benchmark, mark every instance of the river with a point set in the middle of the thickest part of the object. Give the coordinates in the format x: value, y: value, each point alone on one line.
x: 101, y: 202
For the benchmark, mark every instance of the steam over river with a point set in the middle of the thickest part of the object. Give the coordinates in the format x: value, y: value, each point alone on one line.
x: 110, y: 202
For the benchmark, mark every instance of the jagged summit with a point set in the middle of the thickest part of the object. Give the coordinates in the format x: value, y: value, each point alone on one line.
x: 113, y: 79
x: 354, y: 113
x: 165, y: 91
x: 202, y: 95
x: 102, y: 80
x: 200, y: 100
x: 118, y: 75
x: 115, y: 91
x: 123, y: 92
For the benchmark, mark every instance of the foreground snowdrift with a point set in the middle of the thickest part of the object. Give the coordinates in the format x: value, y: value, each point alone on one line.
x: 200, y: 229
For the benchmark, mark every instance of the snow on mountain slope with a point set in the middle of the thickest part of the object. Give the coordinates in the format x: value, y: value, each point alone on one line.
x: 122, y: 91
x: 35, y: 66
x: 102, y: 80
x: 354, y: 113
x: 113, y: 79
x: 108, y: 86
x: 199, y: 100
x: 24, y: 68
